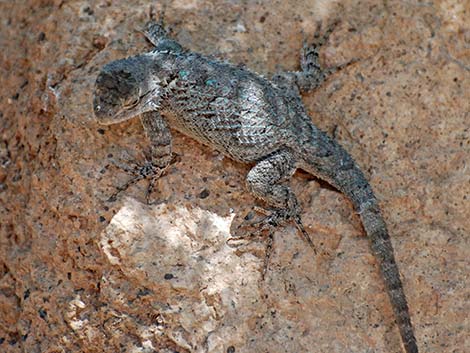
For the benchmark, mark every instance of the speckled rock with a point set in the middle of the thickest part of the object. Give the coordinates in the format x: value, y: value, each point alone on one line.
x: 81, y: 274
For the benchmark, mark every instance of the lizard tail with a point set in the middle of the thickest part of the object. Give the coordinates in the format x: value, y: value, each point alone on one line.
x: 325, y: 158
x: 382, y: 248
x: 352, y: 182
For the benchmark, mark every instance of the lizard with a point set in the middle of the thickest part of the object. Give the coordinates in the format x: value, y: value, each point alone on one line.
x: 250, y: 119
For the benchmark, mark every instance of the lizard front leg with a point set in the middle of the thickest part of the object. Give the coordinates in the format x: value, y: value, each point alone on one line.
x: 158, y: 158
x: 312, y: 73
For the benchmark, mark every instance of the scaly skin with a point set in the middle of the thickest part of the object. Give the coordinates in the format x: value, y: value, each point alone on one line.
x: 249, y: 119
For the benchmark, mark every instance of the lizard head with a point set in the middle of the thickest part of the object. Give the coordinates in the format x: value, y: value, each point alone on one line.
x: 123, y: 89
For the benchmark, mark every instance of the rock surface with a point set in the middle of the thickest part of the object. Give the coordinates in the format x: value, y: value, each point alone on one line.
x: 80, y: 274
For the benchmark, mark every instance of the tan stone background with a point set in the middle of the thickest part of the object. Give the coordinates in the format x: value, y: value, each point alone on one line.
x: 80, y: 274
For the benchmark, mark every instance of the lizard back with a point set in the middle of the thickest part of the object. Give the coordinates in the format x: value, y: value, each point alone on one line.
x: 222, y: 106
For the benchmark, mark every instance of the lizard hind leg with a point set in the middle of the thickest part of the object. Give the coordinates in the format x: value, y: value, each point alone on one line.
x: 266, y: 180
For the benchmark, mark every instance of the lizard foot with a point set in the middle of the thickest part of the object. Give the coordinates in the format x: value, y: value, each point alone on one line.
x: 259, y: 227
x: 312, y: 73
x: 249, y: 228
x: 252, y: 228
x: 147, y: 170
x: 263, y: 227
x: 283, y: 216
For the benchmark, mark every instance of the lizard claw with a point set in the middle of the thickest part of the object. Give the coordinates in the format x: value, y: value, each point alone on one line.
x: 281, y: 217
x: 265, y: 229
x: 147, y: 170
x: 306, y: 236
x: 267, y: 224
x: 251, y: 228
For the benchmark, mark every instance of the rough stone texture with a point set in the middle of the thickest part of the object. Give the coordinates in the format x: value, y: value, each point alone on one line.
x: 80, y: 274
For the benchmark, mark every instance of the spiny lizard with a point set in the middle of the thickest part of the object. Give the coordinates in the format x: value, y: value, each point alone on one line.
x: 249, y: 119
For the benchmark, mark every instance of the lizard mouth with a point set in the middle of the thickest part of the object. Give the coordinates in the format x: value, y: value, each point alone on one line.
x: 144, y: 103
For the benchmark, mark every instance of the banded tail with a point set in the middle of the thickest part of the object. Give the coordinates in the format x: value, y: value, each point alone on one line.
x: 325, y: 158
x: 381, y: 246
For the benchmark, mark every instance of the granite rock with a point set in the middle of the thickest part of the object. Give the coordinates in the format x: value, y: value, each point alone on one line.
x: 81, y: 274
